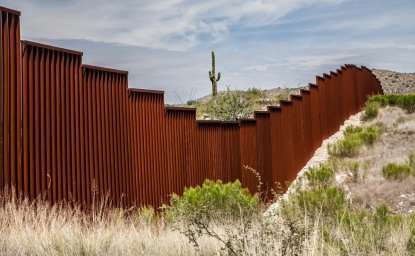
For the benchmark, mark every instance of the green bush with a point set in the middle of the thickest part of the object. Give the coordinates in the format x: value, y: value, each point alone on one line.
x: 354, y: 138
x: 213, y: 200
x: 410, y: 244
x: 411, y: 161
x: 371, y: 111
x: 327, y: 201
x: 345, y: 147
x: 370, y: 135
x: 254, y: 93
x: 404, y: 101
x: 407, y: 102
x: 353, y: 167
x: 229, y: 106
x: 320, y: 176
x: 396, y: 171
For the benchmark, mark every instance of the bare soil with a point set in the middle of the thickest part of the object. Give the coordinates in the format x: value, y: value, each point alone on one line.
x: 371, y: 189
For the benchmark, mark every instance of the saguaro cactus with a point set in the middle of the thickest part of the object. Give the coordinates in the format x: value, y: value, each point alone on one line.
x: 213, y: 78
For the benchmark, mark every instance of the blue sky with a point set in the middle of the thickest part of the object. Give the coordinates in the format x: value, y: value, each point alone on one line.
x: 166, y: 45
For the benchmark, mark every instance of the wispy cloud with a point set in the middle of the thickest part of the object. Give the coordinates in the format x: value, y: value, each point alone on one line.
x: 170, y: 24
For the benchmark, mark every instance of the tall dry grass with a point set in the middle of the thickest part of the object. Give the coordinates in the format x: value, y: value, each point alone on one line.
x: 39, y: 228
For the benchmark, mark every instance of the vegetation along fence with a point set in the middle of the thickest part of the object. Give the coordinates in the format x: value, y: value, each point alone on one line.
x: 73, y: 132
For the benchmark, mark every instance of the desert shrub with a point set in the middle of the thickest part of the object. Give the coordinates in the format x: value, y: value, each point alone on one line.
x: 396, y: 171
x: 411, y: 160
x: 353, y: 167
x: 404, y: 101
x: 407, y: 102
x: 320, y: 176
x: 146, y: 215
x: 213, y: 200
x: 192, y: 102
x: 410, y: 243
x: 345, y: 147
x: 370, y: 134
x: 321, y: 201
x: 215, y: 203
x: 354, y: 138
x: 229, y: 106
x: 254, y: 93
x: 284, y: 95
x: 371, y: 111
x: 384, y: 100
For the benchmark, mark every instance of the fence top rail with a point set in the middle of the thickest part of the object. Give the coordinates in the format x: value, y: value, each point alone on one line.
x: 274, y: 108
x: 104, y: 69
x: 311, y: 85
x: 230, y: 122
x: 261, y: 112
x: 51, y: 47
x: 304, y: 91
x: 171, y: 108
x: 4, y: 9
x: 319, y: 78
x: 285, y: 102
x: 138, y: 90
x: 296, y: 97
x: 216, y: 122
x: 247, y: 120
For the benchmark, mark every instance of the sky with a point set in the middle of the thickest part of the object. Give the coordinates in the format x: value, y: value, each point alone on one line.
x: 166, y: 45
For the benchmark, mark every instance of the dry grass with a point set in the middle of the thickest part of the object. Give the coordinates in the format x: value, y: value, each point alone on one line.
x: 41, y: 229
x: 395, y: 145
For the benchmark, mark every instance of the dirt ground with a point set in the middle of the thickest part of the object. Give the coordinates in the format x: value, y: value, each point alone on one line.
x: 370, y: 188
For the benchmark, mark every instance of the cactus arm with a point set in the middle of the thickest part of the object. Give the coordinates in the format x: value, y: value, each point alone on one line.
x: 218, y: 77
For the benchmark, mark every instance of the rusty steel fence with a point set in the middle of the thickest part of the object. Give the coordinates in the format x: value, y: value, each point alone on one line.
x: 10, y: 100
x: 76, y: 133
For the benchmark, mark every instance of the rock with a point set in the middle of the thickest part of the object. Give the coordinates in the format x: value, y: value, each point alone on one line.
x: 395, y: 82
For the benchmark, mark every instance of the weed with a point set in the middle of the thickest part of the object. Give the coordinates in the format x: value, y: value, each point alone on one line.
x: 371, y: 111
x: 405, y: 101
x: 320, y: 176
x: 231, y: 105
x: 396, y: 171
x: 213, y: 200
x: 353, y: 167
x: 411, y: 160
x: 354, y: 138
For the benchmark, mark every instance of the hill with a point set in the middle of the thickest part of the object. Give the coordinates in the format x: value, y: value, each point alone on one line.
x: 253, y: 99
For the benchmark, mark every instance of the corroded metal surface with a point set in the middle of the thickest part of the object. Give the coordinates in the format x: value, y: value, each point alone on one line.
x: 76, y: 133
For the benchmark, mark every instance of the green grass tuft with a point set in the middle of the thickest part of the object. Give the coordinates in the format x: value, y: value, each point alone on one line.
x: 371, y: 109
x: 354, y: 138
x: 396, y: 171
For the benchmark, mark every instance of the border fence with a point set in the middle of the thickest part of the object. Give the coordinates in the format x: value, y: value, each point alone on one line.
x: 74, y: 132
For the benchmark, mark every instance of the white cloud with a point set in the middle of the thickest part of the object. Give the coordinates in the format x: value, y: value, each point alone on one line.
x: 170, y: 24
